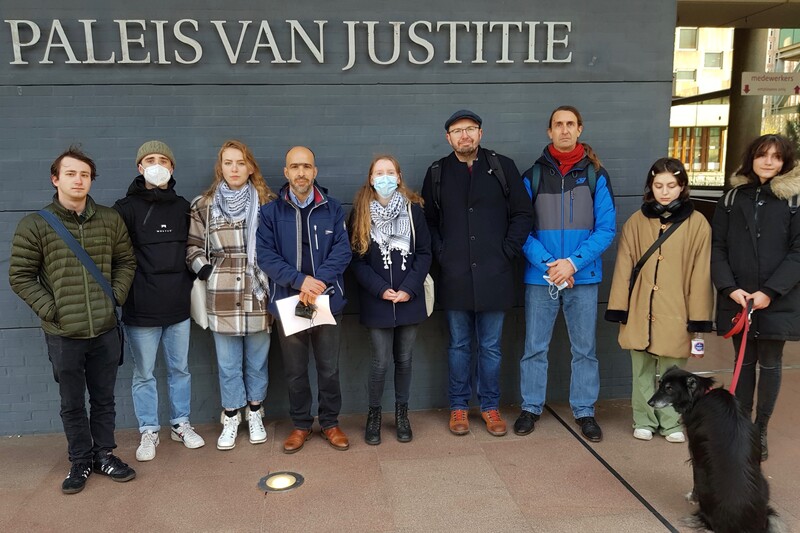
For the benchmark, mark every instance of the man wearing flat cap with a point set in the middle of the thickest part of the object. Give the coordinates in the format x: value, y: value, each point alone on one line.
x: 479, y: 215
x: 157, y: 309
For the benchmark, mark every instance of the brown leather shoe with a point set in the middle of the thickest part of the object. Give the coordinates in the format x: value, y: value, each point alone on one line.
x: 459, y: 423
x: 296, y: 439
x: 494, y: 422
x: 336, y: 438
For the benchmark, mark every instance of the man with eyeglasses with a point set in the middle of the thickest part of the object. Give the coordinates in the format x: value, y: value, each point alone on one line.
x: 479, y: 216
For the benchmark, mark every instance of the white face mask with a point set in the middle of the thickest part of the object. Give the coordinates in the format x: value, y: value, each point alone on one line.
x: 156, y: 175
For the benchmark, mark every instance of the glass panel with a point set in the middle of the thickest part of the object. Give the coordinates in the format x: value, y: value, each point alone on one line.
x: 713, y: 60
x: 687, y: 38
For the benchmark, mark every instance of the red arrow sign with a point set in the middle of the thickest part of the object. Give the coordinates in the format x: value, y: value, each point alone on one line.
x: 746, y: 89
x: 797, y: 89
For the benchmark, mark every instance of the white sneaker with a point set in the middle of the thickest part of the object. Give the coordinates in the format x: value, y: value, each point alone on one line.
x: 642, y: 434
x: 258, y: 433
x: 186, y: 434
x: 230, y: 428
x: 678, y: 437
x: 147, y: 447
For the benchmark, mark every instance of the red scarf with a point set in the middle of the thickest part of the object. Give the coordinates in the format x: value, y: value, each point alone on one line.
x: 566, y: 160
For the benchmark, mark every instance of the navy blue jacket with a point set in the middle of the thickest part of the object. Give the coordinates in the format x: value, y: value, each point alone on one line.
x: 373, y: 280
x: 278, y: 246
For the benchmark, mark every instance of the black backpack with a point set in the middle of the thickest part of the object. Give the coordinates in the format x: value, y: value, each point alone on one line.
x: 436, y: 177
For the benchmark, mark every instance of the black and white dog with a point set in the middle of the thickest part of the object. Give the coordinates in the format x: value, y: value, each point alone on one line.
x: 725, y: 453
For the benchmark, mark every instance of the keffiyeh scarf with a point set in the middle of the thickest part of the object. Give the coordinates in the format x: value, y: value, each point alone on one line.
x: 391, y: 228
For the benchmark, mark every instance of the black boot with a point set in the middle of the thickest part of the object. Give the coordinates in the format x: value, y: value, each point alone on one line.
x: 401, y: 420
x: 372, y: 435
x: 761, y: 424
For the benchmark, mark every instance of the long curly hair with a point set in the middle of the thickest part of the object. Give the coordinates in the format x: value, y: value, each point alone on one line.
x: 265, y: 194
x: 360, y: 220
x: 586, y: 148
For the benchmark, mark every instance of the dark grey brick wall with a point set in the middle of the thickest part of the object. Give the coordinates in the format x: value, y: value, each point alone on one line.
x: 620, y: 78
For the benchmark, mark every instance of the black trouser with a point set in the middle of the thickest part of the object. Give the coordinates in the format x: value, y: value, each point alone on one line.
x: 768, y: 355
x: 80, y: 365
x: 388, y: 345
x: 325, y: 342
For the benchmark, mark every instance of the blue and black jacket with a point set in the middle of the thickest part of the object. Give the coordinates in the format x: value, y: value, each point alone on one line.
x: 568, y: 221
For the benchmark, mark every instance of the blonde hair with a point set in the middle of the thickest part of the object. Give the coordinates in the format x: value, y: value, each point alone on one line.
x: 265, y: 194
x: 360, y: 220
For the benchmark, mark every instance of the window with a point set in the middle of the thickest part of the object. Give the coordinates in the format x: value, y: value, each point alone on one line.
x: 686, y: 75
x: 701, y: 150
x: 712, y: 60
x: 687, y: 38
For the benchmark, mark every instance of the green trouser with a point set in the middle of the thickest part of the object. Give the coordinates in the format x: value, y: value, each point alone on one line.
x: 644, y: 366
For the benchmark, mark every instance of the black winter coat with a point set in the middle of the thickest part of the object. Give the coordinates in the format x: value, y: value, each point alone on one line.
x: 373, y: 280
x: 478, y: 233
x: 158, y: 223
x: 756, y: 246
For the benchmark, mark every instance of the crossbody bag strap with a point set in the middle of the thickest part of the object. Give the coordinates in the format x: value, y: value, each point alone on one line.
x: 208, y: 224
x: 638, y: 267
x: 80, y: 253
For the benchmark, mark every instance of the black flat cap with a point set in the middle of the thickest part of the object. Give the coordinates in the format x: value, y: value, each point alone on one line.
x: 462, y: 113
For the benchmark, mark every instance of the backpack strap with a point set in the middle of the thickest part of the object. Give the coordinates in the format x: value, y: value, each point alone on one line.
x: 727, y: 200
x: 534, y: 176
x: 591, y: 177
x: 497, y: 170
x: 436, y: 183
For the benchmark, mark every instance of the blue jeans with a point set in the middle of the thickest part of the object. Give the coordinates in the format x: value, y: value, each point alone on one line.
x: 580, y: 313
x: 391, y: 344
x: 242, y: 362
x: 143, y: 343
x: 487, y: 327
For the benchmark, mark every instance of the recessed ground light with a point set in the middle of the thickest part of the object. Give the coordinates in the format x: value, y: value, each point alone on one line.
x: 280, y: 481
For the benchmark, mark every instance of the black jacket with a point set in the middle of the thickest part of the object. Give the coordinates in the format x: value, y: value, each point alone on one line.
x: 756, y: 246
x: 373, y: 280
x: 158, y: 223
x: 477, y: 234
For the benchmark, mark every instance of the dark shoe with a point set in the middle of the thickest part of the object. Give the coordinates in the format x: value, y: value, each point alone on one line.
x: 76, y: 479
x: 372, y: 435
x: 336, y: 438
x: 296, y: 439
x: 110, y: 465
x: 459, y: 423
x: 525, y: 423
x: 590, y: 429
x: 404, y: 433
x: 494, y: 422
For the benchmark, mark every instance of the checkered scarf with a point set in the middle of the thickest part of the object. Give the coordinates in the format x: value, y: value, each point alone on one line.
x: 391, y: 228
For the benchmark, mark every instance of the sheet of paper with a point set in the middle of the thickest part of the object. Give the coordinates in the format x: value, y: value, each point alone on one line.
x: 292, y: 324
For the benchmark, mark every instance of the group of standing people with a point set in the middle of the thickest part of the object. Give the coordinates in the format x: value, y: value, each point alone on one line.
x: 476, y: 215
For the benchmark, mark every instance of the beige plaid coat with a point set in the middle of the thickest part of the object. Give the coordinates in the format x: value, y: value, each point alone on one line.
x: 232, y: 308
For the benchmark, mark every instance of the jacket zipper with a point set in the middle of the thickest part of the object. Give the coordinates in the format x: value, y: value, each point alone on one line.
x: 562, y: 215
x: 147, y: 216
x: 571, y: 199
x: 391, y: 284
x: 316, y: 239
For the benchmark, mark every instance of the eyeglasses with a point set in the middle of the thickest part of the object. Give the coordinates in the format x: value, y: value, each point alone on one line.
x: 458, y: 131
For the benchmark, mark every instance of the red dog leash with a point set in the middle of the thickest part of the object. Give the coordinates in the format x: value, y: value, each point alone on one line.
x: 741, y: 323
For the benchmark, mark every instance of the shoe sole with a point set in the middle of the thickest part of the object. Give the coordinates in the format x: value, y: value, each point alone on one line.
x: 262, y: 441
x: 72, y: 491
x: 232, y: 446
x: 295, y: 450
x: 638, y: 437
x: 117, y: 479
x: 145, y: 459
x: 375, y: 443
x: 404, y: 440
x: 177, y: 438
x: 523, y: 433
x: 459, y: 431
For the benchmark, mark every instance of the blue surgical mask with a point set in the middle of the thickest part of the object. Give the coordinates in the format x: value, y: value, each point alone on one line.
x: 385, y: 185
